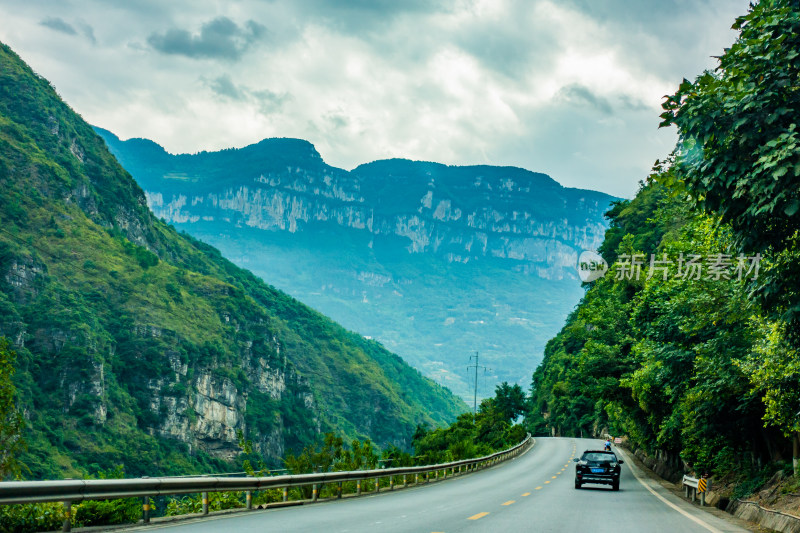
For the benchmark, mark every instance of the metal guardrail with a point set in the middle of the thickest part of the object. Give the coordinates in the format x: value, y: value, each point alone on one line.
x: 76, y: 490
x: 693, y: 486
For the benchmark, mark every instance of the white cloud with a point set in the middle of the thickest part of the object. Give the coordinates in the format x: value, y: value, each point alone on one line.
x: 570, y: 88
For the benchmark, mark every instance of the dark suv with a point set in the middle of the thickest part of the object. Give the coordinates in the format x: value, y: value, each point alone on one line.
x: 596, y: 466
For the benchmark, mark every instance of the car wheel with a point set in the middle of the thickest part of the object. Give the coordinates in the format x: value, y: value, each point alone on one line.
x: 615, y: 486
x: 577, y: 484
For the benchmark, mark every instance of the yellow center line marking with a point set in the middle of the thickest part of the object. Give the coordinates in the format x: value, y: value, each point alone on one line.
x: 509, y: 502
x: 553, y: 477
x: 477, y: 516
x: 528, y: 493
x: 538, y: 488
x: 546, y: 482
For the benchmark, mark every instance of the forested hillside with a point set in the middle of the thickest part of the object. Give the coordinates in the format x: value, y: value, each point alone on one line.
x: 141, y: 347
x: 695, y: 354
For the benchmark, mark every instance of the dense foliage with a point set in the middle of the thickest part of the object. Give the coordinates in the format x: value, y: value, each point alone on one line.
x: 739, y: 151
x: 489, y: 430
x: 11, y: 422
x: 665, y: 358
x: 689, y: 344
x: 141, y: 347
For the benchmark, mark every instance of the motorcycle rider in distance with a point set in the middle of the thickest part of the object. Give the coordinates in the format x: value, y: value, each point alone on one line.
x: 607, y: 445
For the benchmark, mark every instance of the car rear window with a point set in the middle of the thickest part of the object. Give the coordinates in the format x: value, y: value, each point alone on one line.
x: 597, y: 457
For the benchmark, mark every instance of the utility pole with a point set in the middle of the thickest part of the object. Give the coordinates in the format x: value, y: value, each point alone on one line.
x: 476, y: 366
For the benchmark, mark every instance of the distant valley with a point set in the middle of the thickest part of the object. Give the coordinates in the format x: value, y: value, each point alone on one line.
x: 436, y: 262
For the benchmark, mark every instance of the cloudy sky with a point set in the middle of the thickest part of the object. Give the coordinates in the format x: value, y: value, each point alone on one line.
x: 571, y: 87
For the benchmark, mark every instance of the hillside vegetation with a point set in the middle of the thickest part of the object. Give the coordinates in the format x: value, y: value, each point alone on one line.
x: 700, y: 368
x: 142, y: 347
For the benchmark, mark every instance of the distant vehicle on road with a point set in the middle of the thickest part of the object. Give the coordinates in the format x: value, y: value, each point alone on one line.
x: 596, y: 466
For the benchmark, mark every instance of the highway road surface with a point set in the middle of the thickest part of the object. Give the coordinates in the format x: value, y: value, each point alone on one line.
x: 533, y: 492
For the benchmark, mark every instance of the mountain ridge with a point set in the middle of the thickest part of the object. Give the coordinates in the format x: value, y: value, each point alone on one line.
x: 379, y: 247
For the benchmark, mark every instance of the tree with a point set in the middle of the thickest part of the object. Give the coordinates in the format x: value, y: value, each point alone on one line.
x: 774, y: 371
x: 510, y: 401
x: 739, y: 150
x: 11, y: 422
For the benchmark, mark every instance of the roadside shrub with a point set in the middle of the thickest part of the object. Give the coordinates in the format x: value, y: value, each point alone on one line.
x: 31, y: 517
x: 193, y: 503
x: 106, y: 512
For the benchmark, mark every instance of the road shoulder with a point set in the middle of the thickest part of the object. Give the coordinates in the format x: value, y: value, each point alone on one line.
x: 715, y: 519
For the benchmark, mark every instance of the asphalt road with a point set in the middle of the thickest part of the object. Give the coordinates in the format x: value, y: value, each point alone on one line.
x: 533, y: 492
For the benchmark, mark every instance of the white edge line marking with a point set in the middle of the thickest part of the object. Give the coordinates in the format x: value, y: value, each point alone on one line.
x: 670, y: 504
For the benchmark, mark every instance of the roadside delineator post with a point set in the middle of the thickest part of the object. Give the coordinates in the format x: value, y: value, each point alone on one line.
x: 358, y: 487
x: 314, y: 493
x: 339, y: 491
x: 286, y: 494
x: 205, y: 503
x: 702, y: 486
x: 146, y: 509
x: 248, y: 496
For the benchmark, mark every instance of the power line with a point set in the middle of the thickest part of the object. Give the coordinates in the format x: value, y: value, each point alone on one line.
x: 476, y: 366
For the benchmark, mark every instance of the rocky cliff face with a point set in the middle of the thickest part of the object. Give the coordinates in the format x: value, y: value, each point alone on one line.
x: 435, y: 261
x: 428, y: 214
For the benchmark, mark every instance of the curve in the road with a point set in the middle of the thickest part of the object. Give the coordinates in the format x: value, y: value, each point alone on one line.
x: 533, y: 492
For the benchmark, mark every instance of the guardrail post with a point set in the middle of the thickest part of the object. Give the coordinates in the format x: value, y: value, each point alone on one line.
x: 702, y: 499
x: 205, y: 503
x: 339, y: 491
x: 358, y: 487
x: 405, y: 480
x: 391, y: 482
x: 67, y: 525
x: 694, y: 494
x: 314, y: 493
x: 416, y: 479
x: 286, y: 494
x: 377, y: 485
x: 248, y: 496
x: 146, y: 509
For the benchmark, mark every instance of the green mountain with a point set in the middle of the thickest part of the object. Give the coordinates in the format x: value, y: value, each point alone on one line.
x: 140, y: 346
x: 435, y: 261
